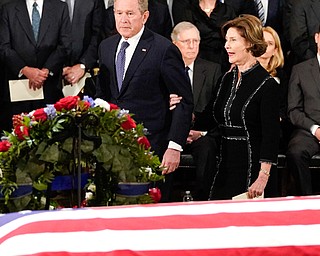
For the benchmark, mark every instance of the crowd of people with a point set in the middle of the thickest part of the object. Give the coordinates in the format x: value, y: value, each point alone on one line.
x: 233, y: 82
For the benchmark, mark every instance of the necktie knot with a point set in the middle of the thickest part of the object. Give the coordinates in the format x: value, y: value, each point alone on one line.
x: 124, y: 46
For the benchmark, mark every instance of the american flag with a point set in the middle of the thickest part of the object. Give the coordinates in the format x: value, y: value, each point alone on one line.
x: 282, y: 226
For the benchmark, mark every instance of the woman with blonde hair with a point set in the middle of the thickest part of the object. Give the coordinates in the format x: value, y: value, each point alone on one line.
x: 272, y: 60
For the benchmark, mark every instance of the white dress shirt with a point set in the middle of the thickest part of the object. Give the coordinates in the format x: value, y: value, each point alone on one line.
x: 30, y: 7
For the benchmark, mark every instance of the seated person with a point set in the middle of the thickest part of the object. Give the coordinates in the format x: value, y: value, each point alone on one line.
x: 203, y: 75
x: 273, y: 60
x: 304, y: 113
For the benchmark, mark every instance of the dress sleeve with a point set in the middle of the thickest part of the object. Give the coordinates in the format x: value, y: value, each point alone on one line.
x: 270, y: 121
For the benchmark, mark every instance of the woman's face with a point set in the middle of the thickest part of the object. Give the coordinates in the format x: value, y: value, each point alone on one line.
x: 271, y: 48
x: 236, y: 47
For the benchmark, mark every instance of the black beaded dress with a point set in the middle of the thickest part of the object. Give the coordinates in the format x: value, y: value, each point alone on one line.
x: 248, y: 119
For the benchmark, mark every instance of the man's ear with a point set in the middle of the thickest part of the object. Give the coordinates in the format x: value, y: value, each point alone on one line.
x: 145, y: 16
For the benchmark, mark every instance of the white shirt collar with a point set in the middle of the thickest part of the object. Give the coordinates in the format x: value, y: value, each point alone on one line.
x: 133, y: 40
x: 30, y: 6
x: 191, y: 66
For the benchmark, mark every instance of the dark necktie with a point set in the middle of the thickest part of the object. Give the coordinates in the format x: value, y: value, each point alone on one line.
x: 186, y: 69
x: 120, y: 62
x: 260, y: 10
x: 35, y: 20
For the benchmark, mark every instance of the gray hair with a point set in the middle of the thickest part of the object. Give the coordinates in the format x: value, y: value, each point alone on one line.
x: 182, y: 26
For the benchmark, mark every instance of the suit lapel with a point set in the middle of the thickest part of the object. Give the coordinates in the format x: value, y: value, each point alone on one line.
x: 199, y: 76
x: 46, y: 19
x: 139, y: 54
x: 23, y: 16
x: 315, y: 72
x: 113, y: 49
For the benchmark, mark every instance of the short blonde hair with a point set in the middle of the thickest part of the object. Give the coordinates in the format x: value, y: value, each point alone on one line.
x: 250, y: 28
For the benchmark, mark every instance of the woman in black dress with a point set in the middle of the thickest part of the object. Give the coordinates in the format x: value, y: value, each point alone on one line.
x: 246, y: 110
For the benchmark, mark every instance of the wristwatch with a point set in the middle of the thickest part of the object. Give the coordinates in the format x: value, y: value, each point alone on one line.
x: 82, y: 66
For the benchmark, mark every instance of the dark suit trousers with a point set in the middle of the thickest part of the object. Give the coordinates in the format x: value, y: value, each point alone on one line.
x: 302, y: 146
x: 204, y: 151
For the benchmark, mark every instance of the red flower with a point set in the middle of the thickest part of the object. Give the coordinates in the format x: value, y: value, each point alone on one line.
x: 40, y: 115
x: 128, y: 124
x: 4, y: 146
x: 155, y: 194
x: 67, y: 103
x: 21, y: 131
x: 144, y: 141
x: 17, y: 120
x: 113, y: 106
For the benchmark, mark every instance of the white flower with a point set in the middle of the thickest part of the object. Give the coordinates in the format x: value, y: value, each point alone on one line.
x: 1, y: 175
x: 102, y: 103
x: 89, y: 195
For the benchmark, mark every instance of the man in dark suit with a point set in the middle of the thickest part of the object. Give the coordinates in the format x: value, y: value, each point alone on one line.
x: 146, y: 72
x: 304, y: 113
x: 159, y: 20
x: 39, y: 56
x: 204, y: 76
x: 86, y: 19
x: 304, y: 23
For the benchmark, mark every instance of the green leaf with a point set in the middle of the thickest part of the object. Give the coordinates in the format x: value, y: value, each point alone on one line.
x: 51, y: 154
x: 87, y: 146
x: 68, y: 145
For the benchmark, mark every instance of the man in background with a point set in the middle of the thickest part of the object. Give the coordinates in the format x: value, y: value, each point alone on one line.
x: 304, y: 113
x: 204, y: 75
x: 86, y: 25
x: 34, y: 45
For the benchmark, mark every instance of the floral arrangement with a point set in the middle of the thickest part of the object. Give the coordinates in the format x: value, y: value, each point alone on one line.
x: 45, y: 143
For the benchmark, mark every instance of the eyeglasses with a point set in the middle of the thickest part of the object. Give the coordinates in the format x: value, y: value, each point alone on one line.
x: 189, y: 41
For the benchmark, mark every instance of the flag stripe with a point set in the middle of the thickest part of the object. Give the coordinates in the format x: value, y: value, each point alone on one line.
x: 163, y: 240
x: 306, y: 217
x: 200, y: 228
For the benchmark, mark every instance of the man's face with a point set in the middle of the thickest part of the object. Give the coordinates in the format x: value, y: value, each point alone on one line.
x: 128, y: 17
x: 188, y: 44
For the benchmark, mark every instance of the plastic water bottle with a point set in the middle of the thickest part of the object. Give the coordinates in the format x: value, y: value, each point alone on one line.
x: 187, y: 197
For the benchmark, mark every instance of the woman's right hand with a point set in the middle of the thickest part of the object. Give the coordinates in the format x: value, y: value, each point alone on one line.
x: 174, y: 100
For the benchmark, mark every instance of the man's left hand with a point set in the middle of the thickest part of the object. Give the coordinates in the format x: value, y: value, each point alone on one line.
x: 73, y: 74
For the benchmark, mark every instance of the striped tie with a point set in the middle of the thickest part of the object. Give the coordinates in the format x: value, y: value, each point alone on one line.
x: 260, y: 10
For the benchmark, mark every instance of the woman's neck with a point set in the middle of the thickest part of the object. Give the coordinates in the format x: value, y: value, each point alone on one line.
x: 247, y: 65
x: 207, y: 5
